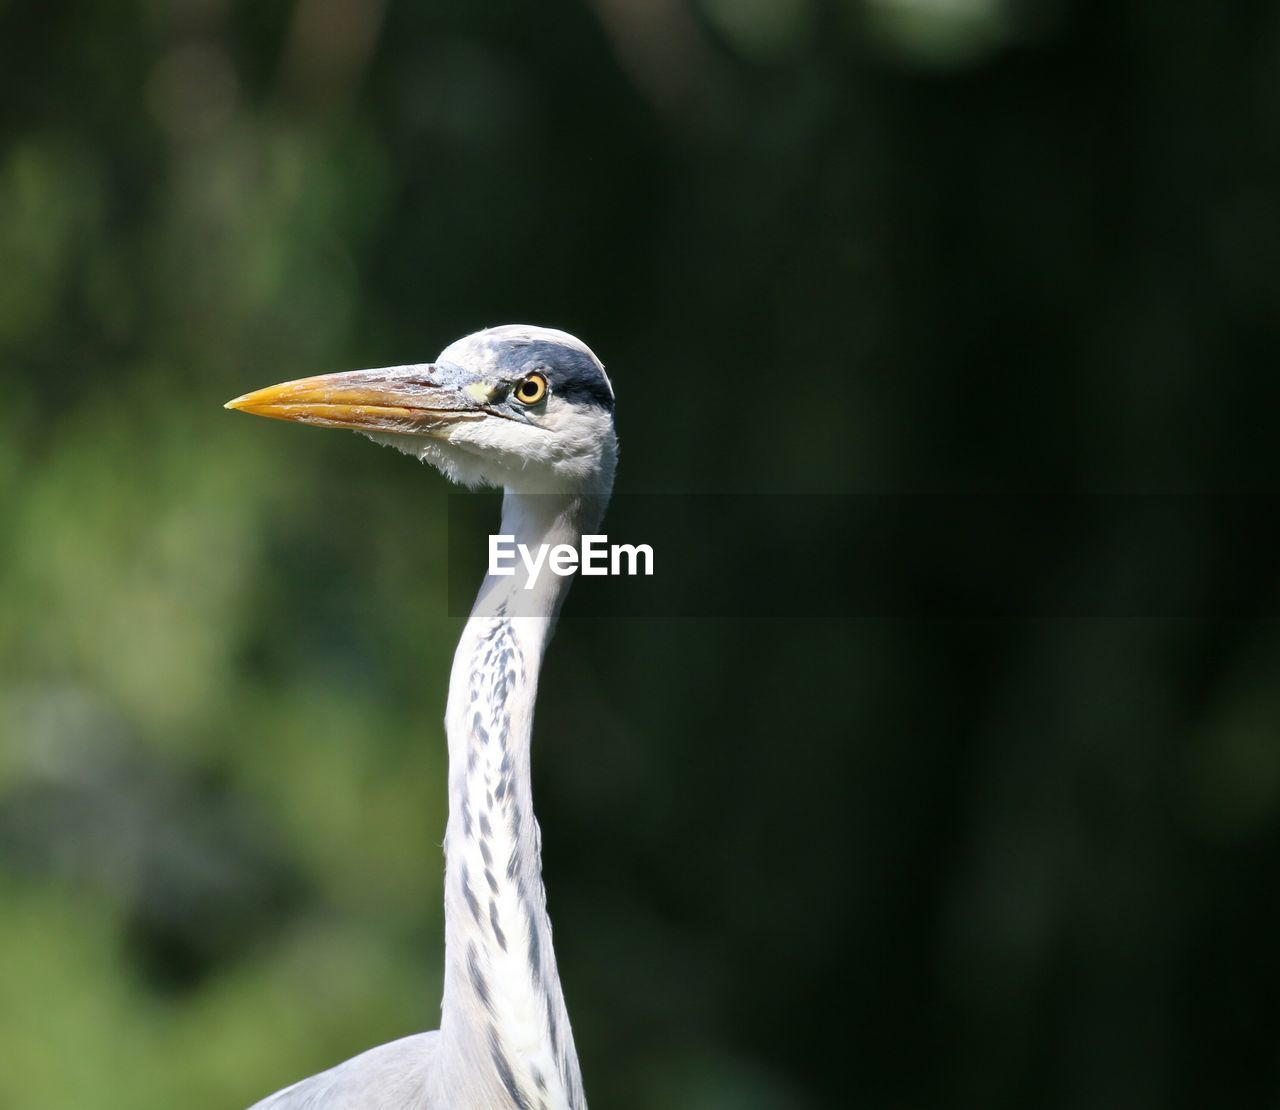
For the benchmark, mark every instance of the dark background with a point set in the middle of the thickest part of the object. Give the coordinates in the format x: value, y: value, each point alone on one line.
x: 871, y: 246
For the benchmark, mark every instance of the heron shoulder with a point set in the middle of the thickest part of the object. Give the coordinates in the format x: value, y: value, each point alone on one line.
x: 393, y: 1076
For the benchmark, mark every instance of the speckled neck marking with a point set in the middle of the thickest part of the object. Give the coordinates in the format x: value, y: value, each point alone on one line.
x: 505, y: 1030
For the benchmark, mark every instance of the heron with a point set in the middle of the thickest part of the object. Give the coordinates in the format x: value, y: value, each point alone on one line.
x: 529, y: 410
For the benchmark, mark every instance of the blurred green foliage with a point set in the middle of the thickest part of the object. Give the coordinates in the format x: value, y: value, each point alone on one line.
x: 846, y: 245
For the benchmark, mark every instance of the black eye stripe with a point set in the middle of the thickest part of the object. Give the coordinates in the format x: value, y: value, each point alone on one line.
x: 578, y: 378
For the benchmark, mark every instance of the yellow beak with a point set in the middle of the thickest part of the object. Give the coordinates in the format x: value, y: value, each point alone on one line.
x: 412, y: 400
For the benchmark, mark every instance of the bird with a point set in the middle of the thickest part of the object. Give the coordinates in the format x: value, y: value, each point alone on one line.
x: 528, y: 410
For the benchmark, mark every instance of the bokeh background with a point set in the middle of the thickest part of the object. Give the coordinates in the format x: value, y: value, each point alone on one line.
x: 824, y: 246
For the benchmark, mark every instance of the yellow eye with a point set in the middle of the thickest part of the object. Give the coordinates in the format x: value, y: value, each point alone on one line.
x: 531, y: 390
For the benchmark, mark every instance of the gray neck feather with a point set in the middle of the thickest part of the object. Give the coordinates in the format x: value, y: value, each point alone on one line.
x: 505, y: 1039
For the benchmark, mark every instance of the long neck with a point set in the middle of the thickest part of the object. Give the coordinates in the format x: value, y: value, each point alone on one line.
x: 505, y: 1039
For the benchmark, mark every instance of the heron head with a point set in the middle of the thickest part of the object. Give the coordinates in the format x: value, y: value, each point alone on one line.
x: 519, y: 407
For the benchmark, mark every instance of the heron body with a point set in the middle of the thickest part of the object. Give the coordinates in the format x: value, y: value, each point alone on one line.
x: 529, y: 410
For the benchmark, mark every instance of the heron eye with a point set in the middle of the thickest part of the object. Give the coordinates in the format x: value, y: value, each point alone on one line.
x: 532, y: 389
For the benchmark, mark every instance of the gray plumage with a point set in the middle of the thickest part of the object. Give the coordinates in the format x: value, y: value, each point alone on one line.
x: 393, y: 1074
x: 529, y: 410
